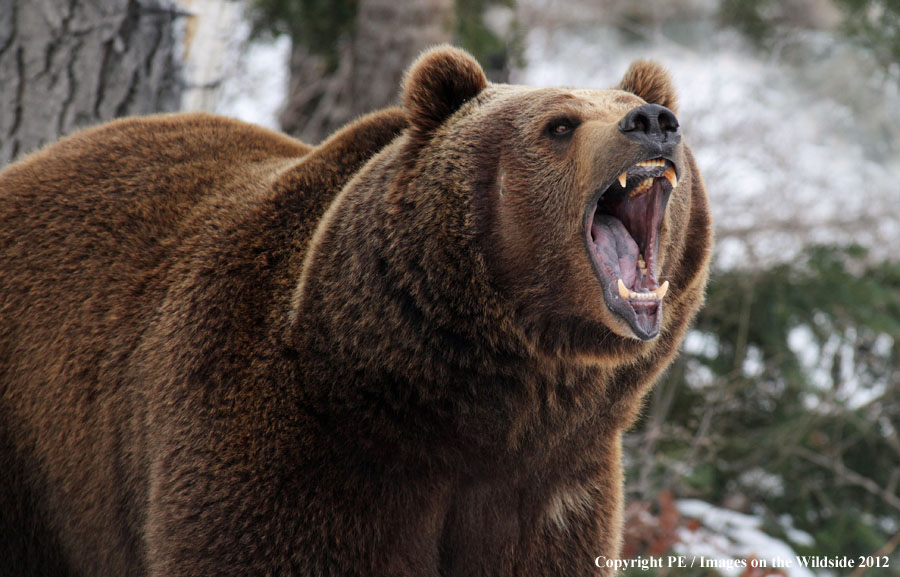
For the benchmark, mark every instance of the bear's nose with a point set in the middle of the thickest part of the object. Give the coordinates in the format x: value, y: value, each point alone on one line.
x: 652, y: 126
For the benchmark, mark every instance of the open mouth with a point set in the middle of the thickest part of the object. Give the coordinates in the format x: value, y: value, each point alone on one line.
x: 623, y: 229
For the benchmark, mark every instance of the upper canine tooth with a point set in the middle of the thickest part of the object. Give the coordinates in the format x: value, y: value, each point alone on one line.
x: 670, y: 176
x: 662, y: 290
x: 622, y: 178
x: 623, y: 292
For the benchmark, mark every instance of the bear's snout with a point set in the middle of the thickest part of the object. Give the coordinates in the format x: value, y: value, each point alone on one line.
x: 653, y: 127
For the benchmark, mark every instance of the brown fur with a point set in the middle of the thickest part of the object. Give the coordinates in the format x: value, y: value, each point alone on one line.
x: 225, y: 353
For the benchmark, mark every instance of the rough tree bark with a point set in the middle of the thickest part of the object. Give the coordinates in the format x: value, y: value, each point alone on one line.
x: 387, y: 37
x: 66, y: 64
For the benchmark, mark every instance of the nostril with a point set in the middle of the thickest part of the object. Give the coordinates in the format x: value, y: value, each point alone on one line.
x: 641, y: 123
x: 668, y: 122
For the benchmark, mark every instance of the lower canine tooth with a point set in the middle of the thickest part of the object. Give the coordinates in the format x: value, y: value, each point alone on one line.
x: 623, y: 292
x: 662, y: 290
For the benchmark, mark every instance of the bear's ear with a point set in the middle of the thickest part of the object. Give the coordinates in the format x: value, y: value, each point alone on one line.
x: 652, y: 82
x: 440, y: 81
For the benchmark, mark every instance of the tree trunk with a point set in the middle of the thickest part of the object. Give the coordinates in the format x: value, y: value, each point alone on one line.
x: 388, y: 36
x: 66, y: 64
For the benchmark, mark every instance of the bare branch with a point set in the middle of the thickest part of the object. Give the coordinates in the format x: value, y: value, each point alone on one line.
x: 850, y: 476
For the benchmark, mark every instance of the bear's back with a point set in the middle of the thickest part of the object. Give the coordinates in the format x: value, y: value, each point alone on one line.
x: 88, y: 226
x: 125, y: 188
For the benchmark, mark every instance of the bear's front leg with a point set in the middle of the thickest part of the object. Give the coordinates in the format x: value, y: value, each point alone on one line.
x: 576, y: 527
x: 554, y: 520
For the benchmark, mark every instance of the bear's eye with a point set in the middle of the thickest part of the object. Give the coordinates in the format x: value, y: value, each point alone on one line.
x: 561, y: 127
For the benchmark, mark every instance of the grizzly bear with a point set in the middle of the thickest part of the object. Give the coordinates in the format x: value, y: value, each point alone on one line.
x: 410, y: 351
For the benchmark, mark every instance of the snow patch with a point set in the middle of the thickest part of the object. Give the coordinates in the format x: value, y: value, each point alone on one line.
x: 728, y: 535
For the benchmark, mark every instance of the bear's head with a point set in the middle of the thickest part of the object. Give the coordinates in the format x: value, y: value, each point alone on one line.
x: 583, y: 201
x: 573, y: 220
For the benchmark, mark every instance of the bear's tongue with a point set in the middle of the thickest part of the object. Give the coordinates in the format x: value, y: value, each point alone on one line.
x: 616, y: 247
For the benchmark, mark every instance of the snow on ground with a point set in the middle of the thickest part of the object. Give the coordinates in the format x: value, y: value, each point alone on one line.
x: 725, y: 536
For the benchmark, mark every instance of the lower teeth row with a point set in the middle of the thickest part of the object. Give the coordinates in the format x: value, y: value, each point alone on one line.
x: 656, y: 295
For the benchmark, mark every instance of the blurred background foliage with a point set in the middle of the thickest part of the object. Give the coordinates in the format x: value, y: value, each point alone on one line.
x: 317, y: 24
x: 872, y: 23
x: 786, y: 401
x: 321, y: 24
